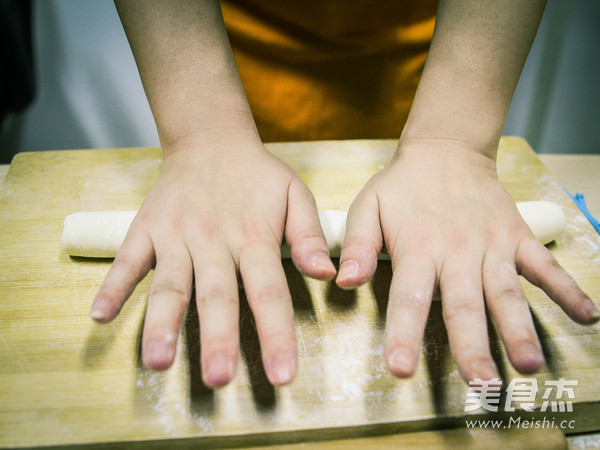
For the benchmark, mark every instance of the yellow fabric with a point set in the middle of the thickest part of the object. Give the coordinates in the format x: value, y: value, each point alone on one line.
x: 330, y: 69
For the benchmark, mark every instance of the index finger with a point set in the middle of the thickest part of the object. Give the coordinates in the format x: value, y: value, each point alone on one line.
x: 131, y: 264
x: 537, y: 264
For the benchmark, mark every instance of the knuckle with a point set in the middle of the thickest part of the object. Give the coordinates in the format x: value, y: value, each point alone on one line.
x: 143, y: 220
x: 310, y: 236
x: 477, y: 353
x: 574, y: 295
x: 267, y: 295
x: 308, y: 240
x: 114, y: 294
x: 543, y: 270
x: 550, y: 263
x: 128, y: 263
x: 462, y: 242
x: 533, y: 253
x: 456, y: 312
x: 258, y: 232
x: 205, y: 229
x: 509, y: 293
x: 422, y: 241
x: 415, y: 301
x: 214, y: 294
x: 169, y: 287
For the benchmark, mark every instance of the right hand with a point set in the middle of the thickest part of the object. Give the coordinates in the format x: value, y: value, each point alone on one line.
x: 220, y: 210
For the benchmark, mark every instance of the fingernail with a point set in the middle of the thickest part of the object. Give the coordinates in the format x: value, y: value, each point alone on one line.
x: 400, y: 362
x: 281, y: 368
x: 160, y: 352
x: 484, y: 370
x: 591, y: 310
x: 219, y: 370
x: 347, y: 270
x: 322, y: 266
x: 528, y: 350
x: 530, y: 356
x: 99, y: 309
x: 321, y: 261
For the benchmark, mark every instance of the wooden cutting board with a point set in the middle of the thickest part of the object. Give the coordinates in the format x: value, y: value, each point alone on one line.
x: 66, y: 380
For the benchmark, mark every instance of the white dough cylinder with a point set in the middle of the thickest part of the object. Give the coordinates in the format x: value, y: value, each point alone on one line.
x: 95, y: 234
x: 99, y: 234
x: 546, y: 219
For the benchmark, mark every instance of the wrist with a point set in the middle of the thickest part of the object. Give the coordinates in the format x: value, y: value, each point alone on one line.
x: 220, y: 128
x: 443, y: 155
x: 180, y: 121
x: 480, y: 138
x: 213, y: 139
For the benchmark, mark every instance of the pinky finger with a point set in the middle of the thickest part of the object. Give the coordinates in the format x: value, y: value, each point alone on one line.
x: 133, y: 261
x: 539, y: 266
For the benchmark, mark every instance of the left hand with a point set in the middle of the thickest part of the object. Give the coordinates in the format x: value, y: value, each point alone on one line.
x: 448, y: 223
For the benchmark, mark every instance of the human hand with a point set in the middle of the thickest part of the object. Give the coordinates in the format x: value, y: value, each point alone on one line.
x: 219, y: 211
x: 449, y: 225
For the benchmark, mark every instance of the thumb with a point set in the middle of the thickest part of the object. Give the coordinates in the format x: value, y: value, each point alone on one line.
x: 304, y: 235
x: 362, y: 243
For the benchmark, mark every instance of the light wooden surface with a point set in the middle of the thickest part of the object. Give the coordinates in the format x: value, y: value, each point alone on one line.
x: 65, y: 380
x: 3, y: 171
x: 457, y: 439
x: 577, y: 173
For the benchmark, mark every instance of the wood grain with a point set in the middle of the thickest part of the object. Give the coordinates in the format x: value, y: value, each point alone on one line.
x: 577, y: 173
x: 65, y: 380
x: 458, y: 439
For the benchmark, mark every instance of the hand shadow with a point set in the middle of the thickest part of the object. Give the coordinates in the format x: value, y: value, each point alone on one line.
x: 263, y: 392
x: 339, y: 299
x: 201, y: 396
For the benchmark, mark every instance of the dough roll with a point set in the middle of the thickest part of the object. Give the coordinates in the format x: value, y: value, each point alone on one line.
x: 95, y: 234
x: 99, y: 234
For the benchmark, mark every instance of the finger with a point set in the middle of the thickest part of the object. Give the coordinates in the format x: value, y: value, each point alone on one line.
x: 131, y: 264
x: 305, y: 236
x: 271, y: 304
x: 465, y: 318
x: 167, y: 301
x: 218, y: 312
x: 509, y: 309
x: 362, y: 243
x: 539, y: 266
x: 410, y: 298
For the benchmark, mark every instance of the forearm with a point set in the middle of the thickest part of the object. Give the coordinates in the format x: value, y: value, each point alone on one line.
x: 475, y: 60
x: 187, y: 67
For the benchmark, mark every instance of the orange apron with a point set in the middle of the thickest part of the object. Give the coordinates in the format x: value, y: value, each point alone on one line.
x: 330, y: 69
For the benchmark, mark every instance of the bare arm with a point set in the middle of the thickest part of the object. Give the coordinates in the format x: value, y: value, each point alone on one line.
x: 475, y: 60
x: 221, y: 207
x: 441, y: 211
x: 187, y: 67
